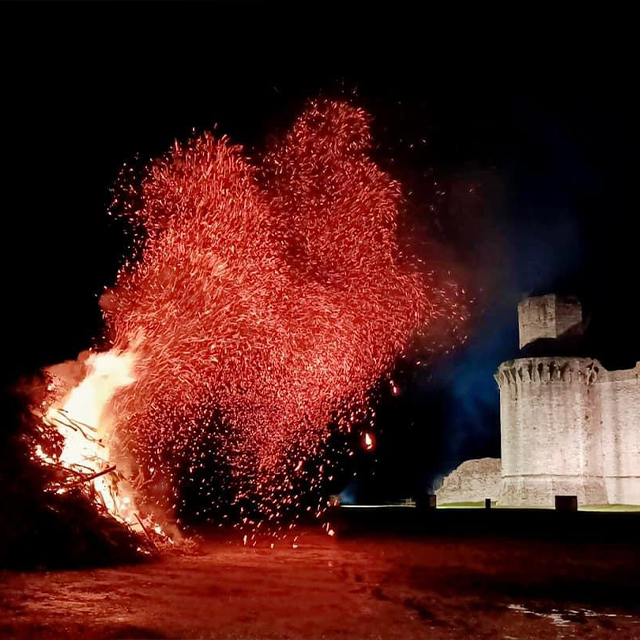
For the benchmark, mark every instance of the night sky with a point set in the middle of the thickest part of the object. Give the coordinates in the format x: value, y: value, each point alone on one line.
x: 532, y: 104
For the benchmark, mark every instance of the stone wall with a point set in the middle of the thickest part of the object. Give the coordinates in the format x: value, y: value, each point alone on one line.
x: 619, y: 406
x: 568, y: 427
x: 549, y: 316
x: 472, y: 481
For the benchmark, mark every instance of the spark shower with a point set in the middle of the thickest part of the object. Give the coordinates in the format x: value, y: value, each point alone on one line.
x: 264, y: 299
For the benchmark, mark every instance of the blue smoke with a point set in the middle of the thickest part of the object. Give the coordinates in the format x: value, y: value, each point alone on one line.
x: 542, y: 251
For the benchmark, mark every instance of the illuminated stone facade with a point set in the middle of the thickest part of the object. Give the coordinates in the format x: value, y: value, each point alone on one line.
x: 568, y: 425
x: 548, y: 317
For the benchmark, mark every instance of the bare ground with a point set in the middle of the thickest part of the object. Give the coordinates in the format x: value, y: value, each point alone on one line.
x: 383, y: 587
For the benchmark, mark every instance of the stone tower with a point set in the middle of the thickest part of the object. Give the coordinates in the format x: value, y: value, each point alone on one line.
x: 568, y: 426
x: 548, y: 317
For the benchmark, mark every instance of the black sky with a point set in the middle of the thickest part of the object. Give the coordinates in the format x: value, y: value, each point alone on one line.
x: 535, y: 102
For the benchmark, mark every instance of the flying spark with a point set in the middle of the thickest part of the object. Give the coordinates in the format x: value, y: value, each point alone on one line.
x: 266, y: 298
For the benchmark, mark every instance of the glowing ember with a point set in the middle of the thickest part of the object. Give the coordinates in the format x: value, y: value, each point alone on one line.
x: 268, y: 297
x: 368, y: 441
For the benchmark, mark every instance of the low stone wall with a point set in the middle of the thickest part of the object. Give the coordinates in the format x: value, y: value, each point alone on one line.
x: 472, y: 481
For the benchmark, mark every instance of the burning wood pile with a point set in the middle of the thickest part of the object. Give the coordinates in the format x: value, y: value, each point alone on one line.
x: 63, y: 503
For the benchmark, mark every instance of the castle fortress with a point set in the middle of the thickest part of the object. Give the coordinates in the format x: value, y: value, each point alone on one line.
x: 568, y: 425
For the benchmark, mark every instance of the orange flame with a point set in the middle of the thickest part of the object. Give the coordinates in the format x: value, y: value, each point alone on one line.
x: 85, y: 419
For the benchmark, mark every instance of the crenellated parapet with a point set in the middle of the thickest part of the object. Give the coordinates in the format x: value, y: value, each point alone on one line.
x: 545, y: 370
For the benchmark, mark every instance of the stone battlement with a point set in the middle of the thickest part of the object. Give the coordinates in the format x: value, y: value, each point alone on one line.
x: 581, y: 370
x: 526, y: 370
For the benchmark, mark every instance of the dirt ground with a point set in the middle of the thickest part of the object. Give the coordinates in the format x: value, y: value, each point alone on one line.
x: 342, y: 587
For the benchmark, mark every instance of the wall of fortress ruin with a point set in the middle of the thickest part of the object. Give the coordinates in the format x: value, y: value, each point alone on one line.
x: 569, y: 427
